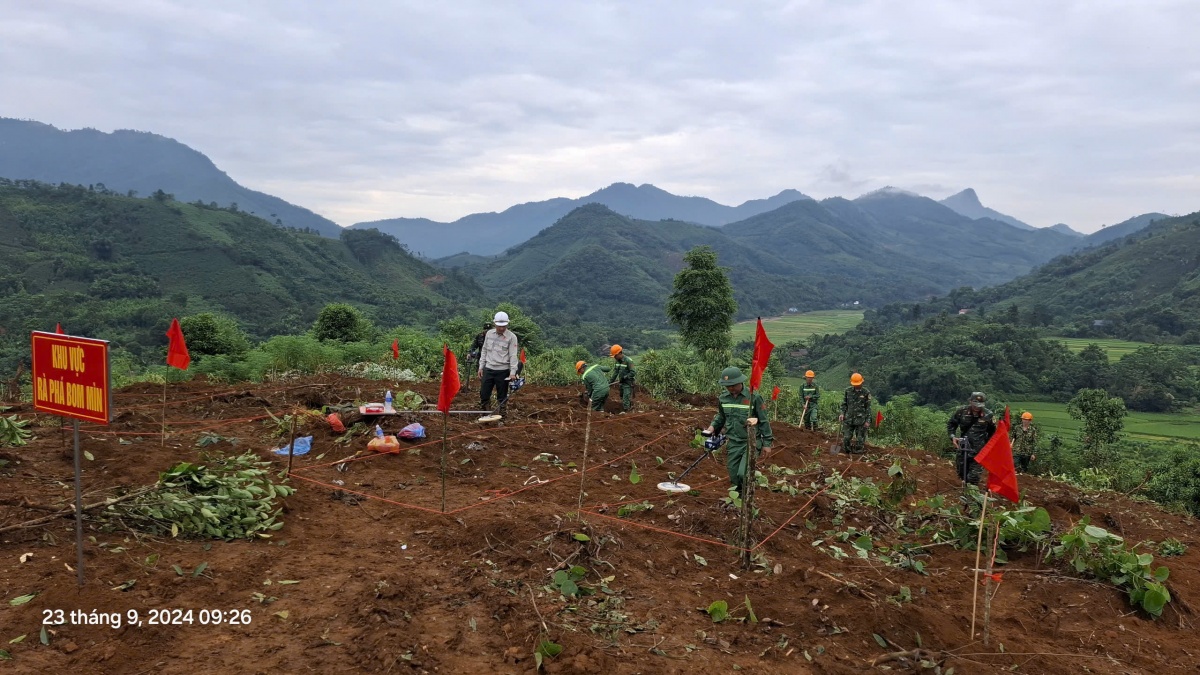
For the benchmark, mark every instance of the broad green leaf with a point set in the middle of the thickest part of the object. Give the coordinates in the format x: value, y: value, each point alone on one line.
x: 17, y: 640
x: 879, y: 638
x: 1161, y: 574
x: 700, y: 561
x: 863, y: 542
x: 5, y: 656
x: 283, y: 614
x: 44, y: 637
x: 581, y: 537
x: 548, y: 648
x: 200, y: 569
x: 718, y: 610
x: 634, y: 476
x: 87, y: 455
x: 22, y: 599
x: 569, y: 587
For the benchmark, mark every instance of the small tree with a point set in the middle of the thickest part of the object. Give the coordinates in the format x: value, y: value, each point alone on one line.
x: 209, y: 334
x: 341, y: 322
x: 1102, y: 417
x: 702, y: 304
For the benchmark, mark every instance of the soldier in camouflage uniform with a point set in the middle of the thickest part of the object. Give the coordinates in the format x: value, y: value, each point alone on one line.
x: 856, y: 415
x: 970, y: 427
x: 622, y: 372
x: 1024, y: 442
x: 737, y: 411
x: 812, y: 397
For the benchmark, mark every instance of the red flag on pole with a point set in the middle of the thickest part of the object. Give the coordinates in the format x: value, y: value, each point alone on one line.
x: 878, y: 418
x: 58, y: 329
x: 762, y: 354
x: 177, y: 351
x: 522, y: 356
x: 450, y: 383
x: 775, y: 393
x: 395, y: 349
x: 997, y: 458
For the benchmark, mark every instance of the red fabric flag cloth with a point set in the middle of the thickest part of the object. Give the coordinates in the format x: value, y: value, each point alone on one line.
x: 762, y: 354
x: 395, y: 349
x: 58, y: 329
x: 450, y: 383
x: 878, y: 418
x: 775, y: 393
x: 522, y: 356
x: 177, y: 353
x: 997, y: 458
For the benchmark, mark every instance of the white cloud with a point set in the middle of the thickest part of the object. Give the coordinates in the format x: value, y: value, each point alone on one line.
x: 1080, y: 112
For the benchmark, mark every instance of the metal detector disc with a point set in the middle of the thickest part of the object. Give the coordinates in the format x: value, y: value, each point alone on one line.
x: 672, y: 486
x: 490, y: 418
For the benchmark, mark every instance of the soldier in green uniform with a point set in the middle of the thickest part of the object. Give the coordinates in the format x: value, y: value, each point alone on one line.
x: 622, y: 372
x: 595, y: 382
x: 970, y: 428
x: 812, y: 397
x: 1024, y: 442
x: 856, y: 415
x: 737, y: 411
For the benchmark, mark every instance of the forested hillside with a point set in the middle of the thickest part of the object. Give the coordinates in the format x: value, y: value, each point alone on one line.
x: 139, y: 161
x: 1141, y: 287
x: 118, y: 268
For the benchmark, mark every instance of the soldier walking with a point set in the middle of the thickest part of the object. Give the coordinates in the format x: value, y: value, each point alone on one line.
x: 737, y: 411
x: 812, y: 397
x: 623, y: 373
x: 1024, y: 442
x: 970, y: 428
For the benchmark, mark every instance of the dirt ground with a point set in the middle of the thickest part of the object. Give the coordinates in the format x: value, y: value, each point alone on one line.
x: 384, y: 582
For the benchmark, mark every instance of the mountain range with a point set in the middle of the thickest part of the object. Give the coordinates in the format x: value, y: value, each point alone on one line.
x: 139, y: 161
x: 492, y: 233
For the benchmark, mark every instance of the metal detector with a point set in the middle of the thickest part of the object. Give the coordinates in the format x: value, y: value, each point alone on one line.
x: 711, y: 443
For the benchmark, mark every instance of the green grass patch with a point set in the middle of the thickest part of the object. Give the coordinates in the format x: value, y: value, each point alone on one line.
x: 1052, y: 418
x: 1114, y: 348
x: 791, y: 327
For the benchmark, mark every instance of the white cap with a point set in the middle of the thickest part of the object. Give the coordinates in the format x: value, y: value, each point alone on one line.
x: 501, y: 319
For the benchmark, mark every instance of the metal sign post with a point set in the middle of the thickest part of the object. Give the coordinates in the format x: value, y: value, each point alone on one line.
x: 78, y: 511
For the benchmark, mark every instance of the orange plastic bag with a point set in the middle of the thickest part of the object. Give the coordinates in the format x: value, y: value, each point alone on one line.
x: 388, y: 444
x: 335, y: 423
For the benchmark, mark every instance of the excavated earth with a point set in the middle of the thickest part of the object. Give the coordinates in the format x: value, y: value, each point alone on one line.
x: 381, y: 580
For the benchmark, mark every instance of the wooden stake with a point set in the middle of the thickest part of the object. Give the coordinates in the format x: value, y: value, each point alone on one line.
x: 747, y: 520
x: 587, y: 434
x: 292, y: 444
x: 162, y: 442
x: 978, y: 551
x: 987, y: 596
x: 445, y: 424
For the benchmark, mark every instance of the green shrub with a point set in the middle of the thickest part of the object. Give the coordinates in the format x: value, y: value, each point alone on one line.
x: 210, y: 334
x: 343, y: 323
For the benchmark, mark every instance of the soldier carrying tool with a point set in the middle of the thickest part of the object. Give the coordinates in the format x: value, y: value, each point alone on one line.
x: 737, y: 411
x: 595, y: 382
x: 811, y: 394
x: 970, y: 428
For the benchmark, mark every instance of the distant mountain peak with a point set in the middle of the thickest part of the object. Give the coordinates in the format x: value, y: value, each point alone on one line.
x: 888, y: 191
x: 1065, y: 229
x: 967, y: 203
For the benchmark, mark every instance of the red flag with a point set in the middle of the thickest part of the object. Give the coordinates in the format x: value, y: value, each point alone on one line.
x: 522, y: 356
x: 177, y: 353
x: 450, y: 383
x: 58, y: 329
x: 775, y: 393
x: 878, y: 418
x: 997, y: 458
x: 395, y: 349
x: 762, y: 354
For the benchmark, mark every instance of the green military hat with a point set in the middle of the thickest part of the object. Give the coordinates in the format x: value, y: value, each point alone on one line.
x: 731, y: 376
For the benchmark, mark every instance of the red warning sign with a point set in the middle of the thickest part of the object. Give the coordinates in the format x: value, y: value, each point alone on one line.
x: 71, y: 377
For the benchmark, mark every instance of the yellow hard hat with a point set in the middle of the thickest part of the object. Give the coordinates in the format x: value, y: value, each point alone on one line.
x: 614, y: 350
x: 1026, y: 415
x: 579, y: 365
x: 856, y: 379
x: 809, y: 373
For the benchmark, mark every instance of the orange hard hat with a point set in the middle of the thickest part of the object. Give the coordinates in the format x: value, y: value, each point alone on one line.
x: 856, y: 379
x: 809, y: 373
x: 614, y: 350
x: 1026, y: 415
x: 579, y: 365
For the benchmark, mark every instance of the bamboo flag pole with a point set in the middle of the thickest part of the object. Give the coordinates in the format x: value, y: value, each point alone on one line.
x: 445, y: 424
x: 162, y: 442
x: 978, y: 551
x: 587, y: 433
x: 292, y: 443
x: 748, y: 491
x: 987, y: 595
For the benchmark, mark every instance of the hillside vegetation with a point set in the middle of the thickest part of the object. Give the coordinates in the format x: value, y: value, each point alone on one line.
x: 119, y: 268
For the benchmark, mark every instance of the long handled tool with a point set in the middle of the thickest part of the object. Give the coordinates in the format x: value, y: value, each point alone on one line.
x: 711, y: 443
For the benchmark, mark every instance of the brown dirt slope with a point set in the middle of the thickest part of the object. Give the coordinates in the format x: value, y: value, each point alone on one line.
x: 386, y: 583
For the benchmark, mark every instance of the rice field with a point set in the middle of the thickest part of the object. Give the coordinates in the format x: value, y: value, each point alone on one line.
x: 1114, y: 348
x: 791, y: 327
x: 1052, y: 418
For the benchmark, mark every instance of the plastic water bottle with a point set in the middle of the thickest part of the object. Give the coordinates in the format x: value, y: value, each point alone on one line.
x: 378, y: 431
x: 387, y: 402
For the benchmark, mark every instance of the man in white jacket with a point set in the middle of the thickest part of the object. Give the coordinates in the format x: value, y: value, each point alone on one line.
x: 498, y: 362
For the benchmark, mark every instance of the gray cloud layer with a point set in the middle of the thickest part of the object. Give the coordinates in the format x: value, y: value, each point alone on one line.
x: 1082, y: 112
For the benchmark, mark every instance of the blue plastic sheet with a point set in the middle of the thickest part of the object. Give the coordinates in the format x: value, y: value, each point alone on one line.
x: 303, y: 445
x: 413, y: 430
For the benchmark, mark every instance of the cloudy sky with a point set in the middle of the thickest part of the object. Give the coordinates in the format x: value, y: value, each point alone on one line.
x: 1079, y: 112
